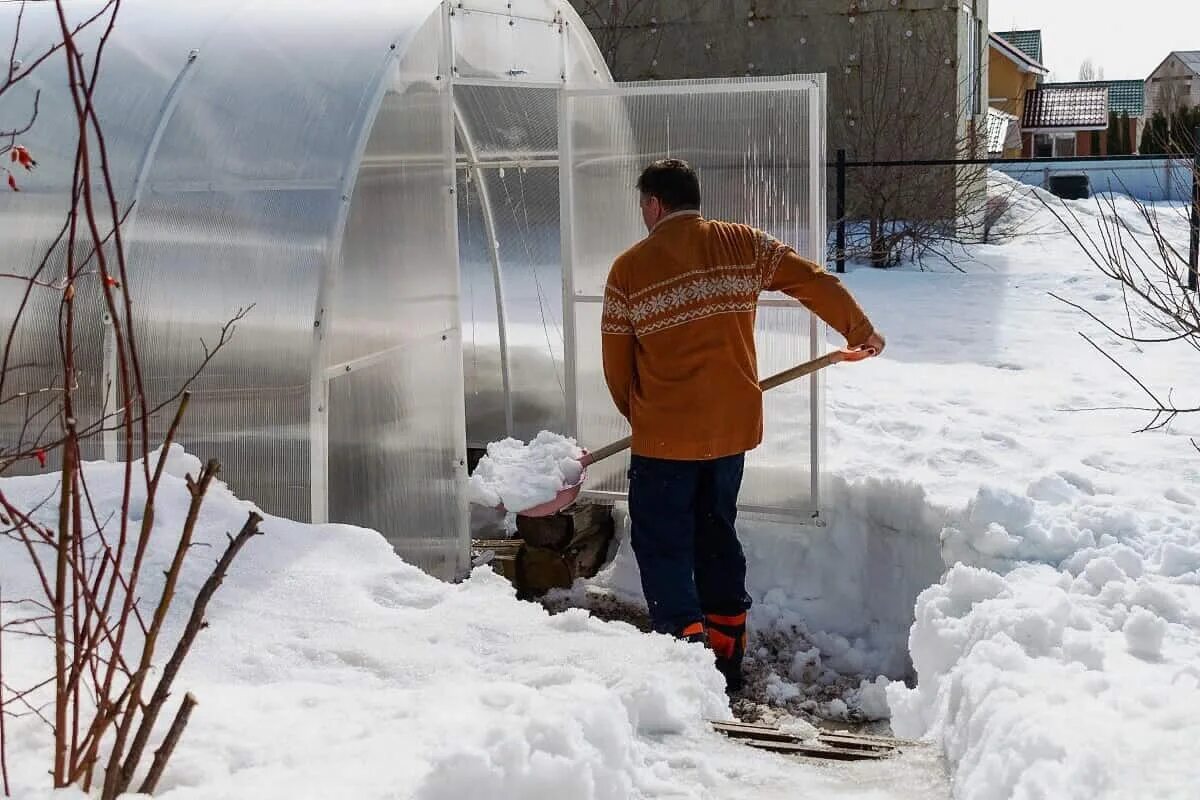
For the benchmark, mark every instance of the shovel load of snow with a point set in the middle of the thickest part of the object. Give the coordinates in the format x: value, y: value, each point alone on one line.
x: 520, y: 477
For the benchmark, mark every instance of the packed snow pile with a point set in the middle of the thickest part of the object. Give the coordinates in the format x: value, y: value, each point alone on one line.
x: 832, y: 603
x: 1057, y: 656
x: 520, y: 476
x: 331, y: 668
x: 1037, y: 563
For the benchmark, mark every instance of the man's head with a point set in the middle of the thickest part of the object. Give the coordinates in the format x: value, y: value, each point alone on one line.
x: 667, y: 186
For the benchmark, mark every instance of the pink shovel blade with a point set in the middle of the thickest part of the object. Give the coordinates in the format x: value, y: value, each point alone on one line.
x: 565, y: 496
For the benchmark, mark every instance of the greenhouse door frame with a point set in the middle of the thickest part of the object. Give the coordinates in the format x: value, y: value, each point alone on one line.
x: 814, y: 88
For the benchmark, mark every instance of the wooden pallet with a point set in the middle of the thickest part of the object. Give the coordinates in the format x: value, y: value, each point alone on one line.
x: 828, y: 744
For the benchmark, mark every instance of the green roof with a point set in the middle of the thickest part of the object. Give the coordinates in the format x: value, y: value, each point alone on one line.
x: 1127, y: 97
x: 1028, y: 42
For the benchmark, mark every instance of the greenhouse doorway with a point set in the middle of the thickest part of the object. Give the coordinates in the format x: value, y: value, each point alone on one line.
x: 546, y: 202
x: 758, y: 145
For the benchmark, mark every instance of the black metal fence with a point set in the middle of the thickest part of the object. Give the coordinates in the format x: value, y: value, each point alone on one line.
x: 841, y: 166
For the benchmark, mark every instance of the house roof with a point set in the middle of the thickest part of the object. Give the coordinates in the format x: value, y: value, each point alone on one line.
x: 1127, y: 96
x: 1023, y: 60
x: 1029, y: 42
x: 1190, y: 59
x: 1066, y: 107
x: 1002, y: 131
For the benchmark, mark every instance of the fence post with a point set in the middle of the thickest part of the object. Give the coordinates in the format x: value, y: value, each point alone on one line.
x: 1194, y: 252
x: 840, y: 210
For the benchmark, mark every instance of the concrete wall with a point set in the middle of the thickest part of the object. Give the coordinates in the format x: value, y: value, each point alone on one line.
x: 1150, y: 180
x: 899, y: 73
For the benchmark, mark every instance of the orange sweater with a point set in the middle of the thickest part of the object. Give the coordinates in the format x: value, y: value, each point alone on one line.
x: 678, y: 332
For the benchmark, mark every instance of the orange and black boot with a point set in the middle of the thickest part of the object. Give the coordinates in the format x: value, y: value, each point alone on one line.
x: 693, y: 633
x: 727, y: 637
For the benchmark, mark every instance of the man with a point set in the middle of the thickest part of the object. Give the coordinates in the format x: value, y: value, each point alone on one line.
x: 679, y: 359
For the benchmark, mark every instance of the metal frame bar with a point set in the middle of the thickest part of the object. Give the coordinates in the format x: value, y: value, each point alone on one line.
x: 489, y: 229
x: 318, y: 411
x: 268, y: 185
x: 363, y: 362
x: 450, y: 155
x: 536, y: 163
x: 673, y: 87
x: 109, y: 439
x: 816, y: 211
x: 507, y: 83
x: 566, y: 216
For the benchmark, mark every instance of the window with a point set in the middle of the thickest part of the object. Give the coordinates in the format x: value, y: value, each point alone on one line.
x: 1053, y: 145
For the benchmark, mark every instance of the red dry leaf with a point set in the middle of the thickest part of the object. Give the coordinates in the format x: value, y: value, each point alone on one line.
x: 12, y: 183
x: 21, y: 154
x: 40, y: 455
x: 111, y: 281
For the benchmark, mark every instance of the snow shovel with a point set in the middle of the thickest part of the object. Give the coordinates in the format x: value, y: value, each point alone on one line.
x: 568, y: 494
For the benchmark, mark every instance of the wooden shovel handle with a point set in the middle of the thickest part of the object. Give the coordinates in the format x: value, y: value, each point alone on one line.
x: 787, y: 376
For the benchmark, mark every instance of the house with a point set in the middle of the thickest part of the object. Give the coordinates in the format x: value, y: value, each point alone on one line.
x: 1013, y: 72
x: 1059, y: 118
x: 1174, y: 83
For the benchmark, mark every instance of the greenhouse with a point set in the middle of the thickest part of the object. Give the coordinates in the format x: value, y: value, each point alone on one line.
x: 419, y: 202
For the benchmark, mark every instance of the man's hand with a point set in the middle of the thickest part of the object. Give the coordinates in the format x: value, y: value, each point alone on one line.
x: 876, y: 343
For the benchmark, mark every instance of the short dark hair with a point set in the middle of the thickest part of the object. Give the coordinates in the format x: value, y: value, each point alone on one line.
x: 673, y: 182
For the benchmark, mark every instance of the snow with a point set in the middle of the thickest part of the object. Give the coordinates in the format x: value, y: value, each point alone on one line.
x: 331, y: 668
x: 1008, y: 577
x: 1144, y: 633
x: 1025, y: 569
x: 520, y: 476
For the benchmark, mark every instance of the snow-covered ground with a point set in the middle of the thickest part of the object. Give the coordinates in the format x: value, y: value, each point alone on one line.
x: 1036, y: 568
x: 1057, y: 646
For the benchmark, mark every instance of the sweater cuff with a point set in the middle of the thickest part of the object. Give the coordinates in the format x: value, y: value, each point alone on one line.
x: 859, y: 334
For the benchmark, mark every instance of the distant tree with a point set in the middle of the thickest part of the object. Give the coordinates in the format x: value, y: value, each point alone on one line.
x: 1120, y: 142
x: 1088, y: 71
x: 1173, y: 135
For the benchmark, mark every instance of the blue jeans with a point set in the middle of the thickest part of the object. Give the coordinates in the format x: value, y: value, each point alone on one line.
x: 683, y: 534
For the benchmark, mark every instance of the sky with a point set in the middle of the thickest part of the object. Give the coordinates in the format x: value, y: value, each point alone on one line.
x: 1127, y: 39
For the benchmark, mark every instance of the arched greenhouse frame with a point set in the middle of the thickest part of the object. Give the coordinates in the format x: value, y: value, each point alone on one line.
x: 421, y: 199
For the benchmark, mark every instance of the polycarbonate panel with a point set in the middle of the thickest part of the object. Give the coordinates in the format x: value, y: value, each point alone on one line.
x: 597, y: 422
x: 395, y: 280
x: 758, y: 145
x: 397, y: 457
x: 234, y: 130
x: 526, y: 209
x: 509, y: 123
x: 32, y: 220
x: 481, y: 331
x: 778, y: 472
x: 397, y: 453
x: 311, y: 106
x: 231, y: 250
x: 506, y: 46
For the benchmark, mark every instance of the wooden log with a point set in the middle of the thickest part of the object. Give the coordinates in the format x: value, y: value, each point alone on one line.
x: 558, y: 530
